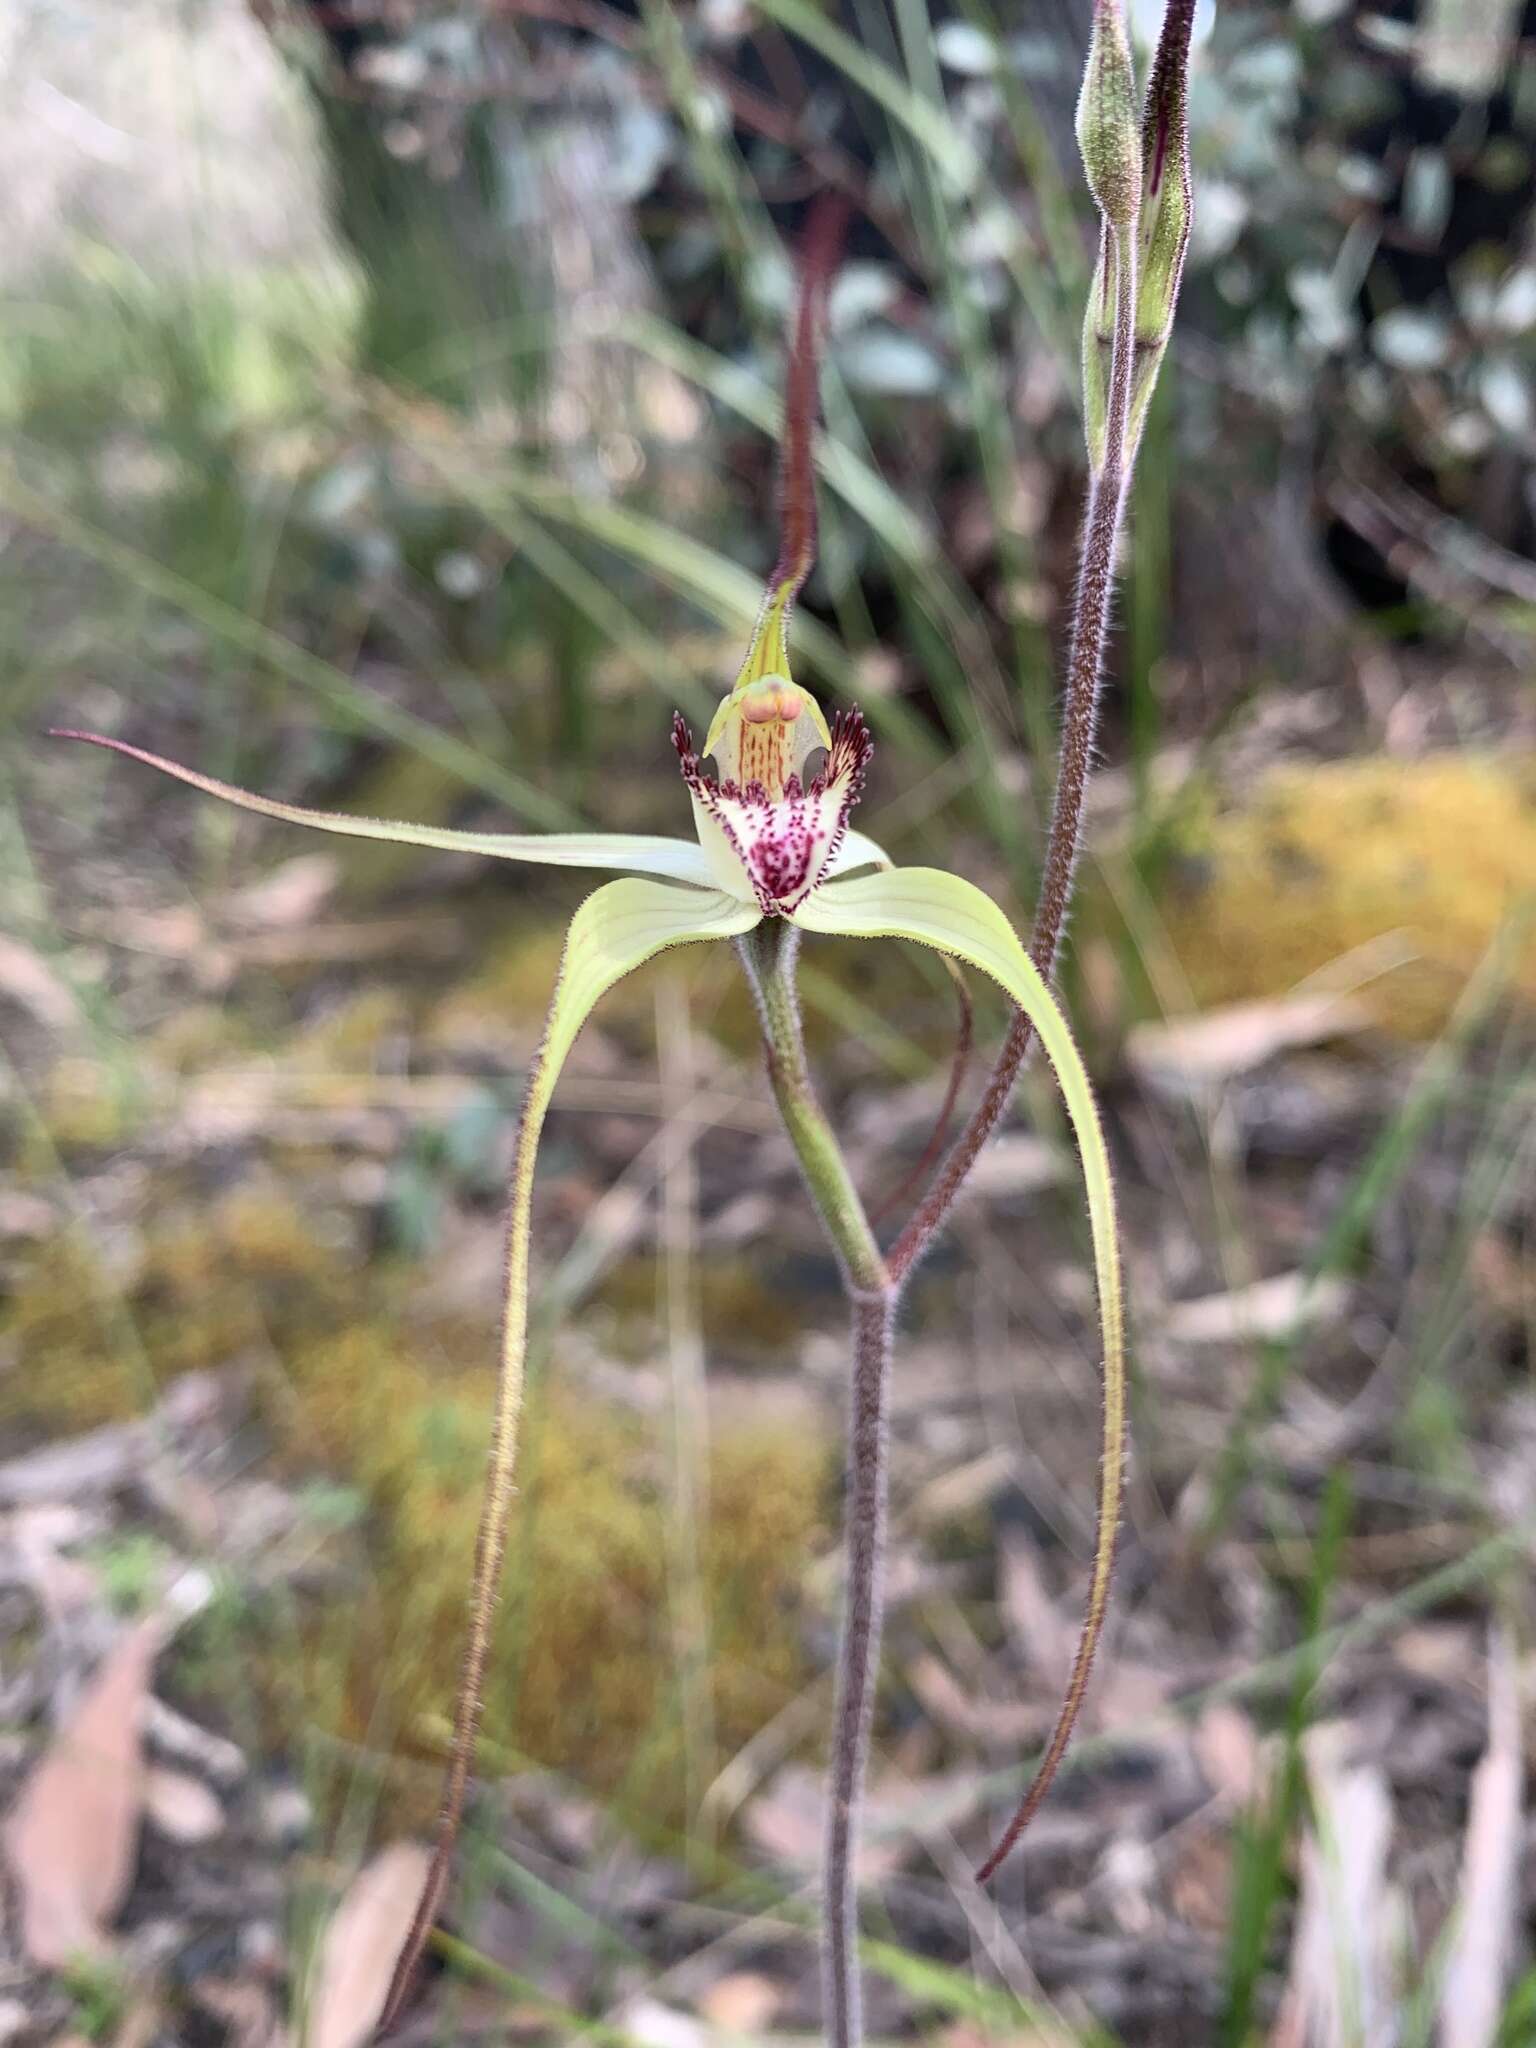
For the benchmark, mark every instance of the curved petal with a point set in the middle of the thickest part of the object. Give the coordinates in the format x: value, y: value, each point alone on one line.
x: 857, y: 851
x: 616, y: 930
x: 679, y: 860
x: 941, y: 910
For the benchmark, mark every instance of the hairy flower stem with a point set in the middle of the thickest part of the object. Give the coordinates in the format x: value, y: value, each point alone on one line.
x: 858, y: 1661
x: 1105, y: 512
x: 769, y: 954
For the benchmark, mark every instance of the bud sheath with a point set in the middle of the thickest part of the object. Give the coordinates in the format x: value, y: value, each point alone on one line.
x: 1107, y: 124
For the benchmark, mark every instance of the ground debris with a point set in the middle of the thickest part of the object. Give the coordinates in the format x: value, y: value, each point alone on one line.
x: 1243, y: 1139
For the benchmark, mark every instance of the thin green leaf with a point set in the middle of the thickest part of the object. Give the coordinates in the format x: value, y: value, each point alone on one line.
x: 616, y: 930
x: 680, y: 860
x: 943, y: 911
x: 929, y: 125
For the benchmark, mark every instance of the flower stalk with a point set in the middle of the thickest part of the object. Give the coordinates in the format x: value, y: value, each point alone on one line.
x: 865, y: 1509
x: 769, y: 955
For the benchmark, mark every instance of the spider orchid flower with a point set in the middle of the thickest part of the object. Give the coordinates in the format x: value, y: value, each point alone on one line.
x: 771, y: 793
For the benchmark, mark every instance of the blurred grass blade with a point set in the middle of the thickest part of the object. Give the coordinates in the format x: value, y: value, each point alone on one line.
x: 331, y: 686
x: 929, y: 125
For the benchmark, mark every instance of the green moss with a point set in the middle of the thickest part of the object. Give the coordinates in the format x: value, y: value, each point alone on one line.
x: 360, y: 1392
x: 1320, y: 862
x: 86, y: 1105
x: 76, y: 1361
x: 201, y: 1036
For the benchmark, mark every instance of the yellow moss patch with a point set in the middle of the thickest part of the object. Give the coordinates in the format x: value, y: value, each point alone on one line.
x: 584, y: 1675
x: 95, y: 1344
x: 742, y: 1316
x: 349, y: 1038
x: 1325, y: 860
x: 86, y: 1104
x: 200, y: 1036
x: 509, y: 991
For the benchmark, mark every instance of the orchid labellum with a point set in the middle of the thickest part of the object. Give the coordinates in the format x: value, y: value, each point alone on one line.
x: 774, y: 857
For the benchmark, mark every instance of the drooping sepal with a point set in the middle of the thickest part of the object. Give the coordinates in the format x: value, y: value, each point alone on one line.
x: 944, y: 911
x: 618, y: 928
x: 774, y: 840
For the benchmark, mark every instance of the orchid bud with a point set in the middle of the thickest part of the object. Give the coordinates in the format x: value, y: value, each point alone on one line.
x: 1107, y: 121
x: 1167, y: 204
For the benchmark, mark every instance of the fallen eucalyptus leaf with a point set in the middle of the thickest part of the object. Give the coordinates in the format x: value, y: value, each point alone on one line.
x: 181, y: 1807
x: 358, y: 1953
x: 1267, y: 1311
x: 72, y: 1836
x: 1218, y: 1044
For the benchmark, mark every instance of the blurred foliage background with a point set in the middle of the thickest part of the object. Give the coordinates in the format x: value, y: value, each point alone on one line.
x: 388, y: 397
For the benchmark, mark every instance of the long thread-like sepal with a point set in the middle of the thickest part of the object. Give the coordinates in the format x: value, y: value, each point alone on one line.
x: 617, y: 929
x: 490, y: 1540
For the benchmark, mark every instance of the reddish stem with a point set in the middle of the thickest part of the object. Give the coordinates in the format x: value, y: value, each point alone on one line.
x: 1085, y: 664
x: 965, y: 1034
x: 820, y: 249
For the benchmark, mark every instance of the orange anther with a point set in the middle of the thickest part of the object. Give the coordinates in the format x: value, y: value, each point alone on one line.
x: 767, y: 702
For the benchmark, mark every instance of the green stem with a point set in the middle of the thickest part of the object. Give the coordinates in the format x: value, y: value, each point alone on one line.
x: 769, y: 954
